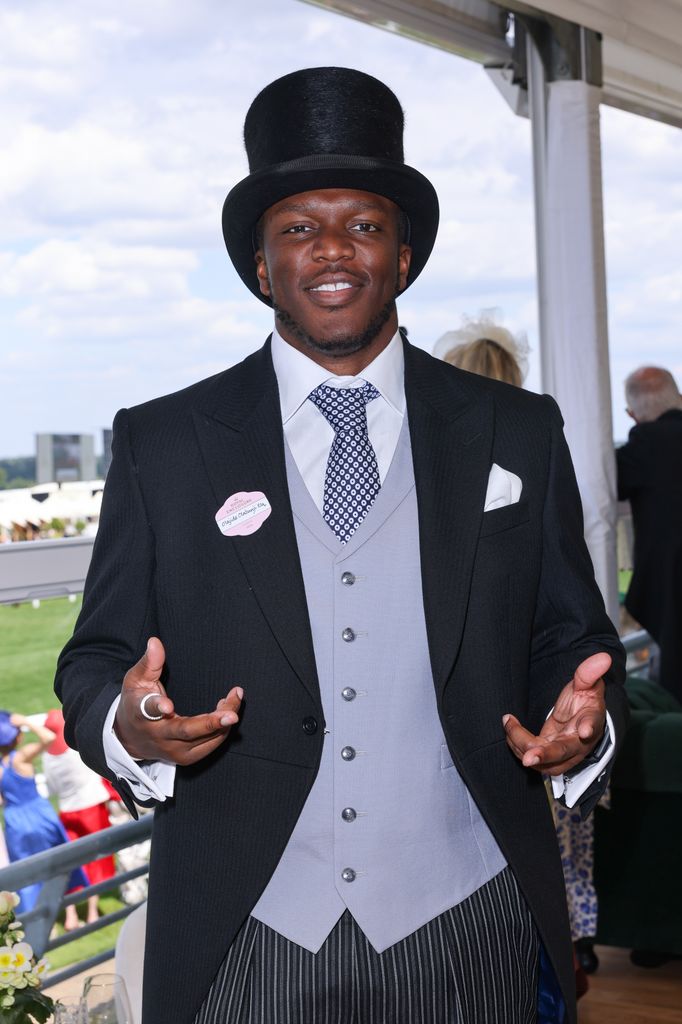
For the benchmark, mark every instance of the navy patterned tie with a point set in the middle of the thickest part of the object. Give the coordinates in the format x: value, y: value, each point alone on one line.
x: 352, y: 479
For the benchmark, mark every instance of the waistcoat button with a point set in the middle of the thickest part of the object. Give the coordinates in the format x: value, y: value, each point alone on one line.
x: 348, y: 579
x: 348, y: 875
x: 309, y: 725
x: 348, y: 753
x: 349, y: 814
x: 348, y: 693
x: 348, y: 635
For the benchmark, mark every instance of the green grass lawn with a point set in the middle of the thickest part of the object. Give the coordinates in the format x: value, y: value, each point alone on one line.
x: 90, y: 945
x: 30, y: 642
x: 624, y: 577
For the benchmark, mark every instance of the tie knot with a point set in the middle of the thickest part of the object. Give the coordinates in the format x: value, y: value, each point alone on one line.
x: 344, y: 408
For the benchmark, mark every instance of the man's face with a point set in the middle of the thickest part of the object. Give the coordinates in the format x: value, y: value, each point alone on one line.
x: 332, y: 262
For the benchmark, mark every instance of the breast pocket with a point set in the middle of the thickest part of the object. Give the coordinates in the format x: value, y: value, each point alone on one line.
x: 505, y: 518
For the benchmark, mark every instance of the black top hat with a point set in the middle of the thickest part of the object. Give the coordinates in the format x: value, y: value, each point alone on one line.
x: 325, y: 128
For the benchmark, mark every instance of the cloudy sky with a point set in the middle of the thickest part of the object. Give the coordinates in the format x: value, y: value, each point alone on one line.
x: 122, y: 134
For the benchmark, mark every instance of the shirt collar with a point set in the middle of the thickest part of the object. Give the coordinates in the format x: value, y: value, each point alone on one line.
x: 298, y: 375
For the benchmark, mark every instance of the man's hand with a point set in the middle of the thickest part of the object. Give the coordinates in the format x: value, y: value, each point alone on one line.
x: 574, y: 727
x: 174, y: 738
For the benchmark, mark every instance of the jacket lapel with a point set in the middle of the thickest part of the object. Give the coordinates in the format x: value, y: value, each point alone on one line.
x: 241, y: 440
x: 451, y: 430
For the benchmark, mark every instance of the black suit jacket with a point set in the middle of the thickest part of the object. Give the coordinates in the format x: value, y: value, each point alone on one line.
x: 650, y: 477
x: 511, y: 609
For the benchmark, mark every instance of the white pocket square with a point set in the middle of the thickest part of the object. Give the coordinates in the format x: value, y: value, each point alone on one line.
x: 504, y: 488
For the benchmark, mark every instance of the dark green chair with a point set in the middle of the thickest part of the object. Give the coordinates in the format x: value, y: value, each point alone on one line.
x: 638, y: 842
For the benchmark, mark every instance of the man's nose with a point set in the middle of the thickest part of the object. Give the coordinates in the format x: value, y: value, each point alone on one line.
x: 333, y: 244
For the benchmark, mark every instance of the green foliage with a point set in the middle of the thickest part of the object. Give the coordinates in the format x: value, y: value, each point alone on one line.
x: 29, y: 1006
x: 19, y: 472
x: 624, y: 577
x: 30, y: 642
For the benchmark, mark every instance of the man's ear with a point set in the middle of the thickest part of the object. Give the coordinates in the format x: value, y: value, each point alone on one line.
x: 404, y: 259
x: 262, y: 273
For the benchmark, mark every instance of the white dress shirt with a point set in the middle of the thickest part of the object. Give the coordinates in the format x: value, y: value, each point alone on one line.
x: 309, y: 436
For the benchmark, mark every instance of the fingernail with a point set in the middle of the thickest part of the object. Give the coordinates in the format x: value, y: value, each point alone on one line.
x: 240, y: 692
x: 228, y: 719
x: 505, y: 719
x: 529, y: 762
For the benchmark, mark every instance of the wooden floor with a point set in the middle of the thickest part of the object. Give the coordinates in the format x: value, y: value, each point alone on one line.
x: 620, y: 993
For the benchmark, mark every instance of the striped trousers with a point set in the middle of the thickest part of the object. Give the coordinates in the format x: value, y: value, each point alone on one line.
x: 475, y: 964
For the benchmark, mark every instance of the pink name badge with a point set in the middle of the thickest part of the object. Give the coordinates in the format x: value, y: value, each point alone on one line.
x: 243, y: 513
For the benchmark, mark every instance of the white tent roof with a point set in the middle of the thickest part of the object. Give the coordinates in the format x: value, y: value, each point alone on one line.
x: 74, y: 500
x: 642, y: 41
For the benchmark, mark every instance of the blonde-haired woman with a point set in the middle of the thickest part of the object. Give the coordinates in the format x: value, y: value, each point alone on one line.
x: 485, y: 347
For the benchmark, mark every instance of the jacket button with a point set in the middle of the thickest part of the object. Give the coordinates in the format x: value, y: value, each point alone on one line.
x: 348, y: 579
x: 348, y: 693
x: 349, y: 814
x: 309, y: 725
x: 348, y: 875
x: 348, y: 753
x: 348, y: 635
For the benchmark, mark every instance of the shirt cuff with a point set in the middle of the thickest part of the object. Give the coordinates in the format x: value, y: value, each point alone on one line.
x: 148, y: 780
x: 572, y: 788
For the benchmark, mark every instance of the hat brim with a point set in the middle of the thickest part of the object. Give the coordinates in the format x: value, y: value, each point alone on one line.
x: 250, y: 198
x: 8, y: 734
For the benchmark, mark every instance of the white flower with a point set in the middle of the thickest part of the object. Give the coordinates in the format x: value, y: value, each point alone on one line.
x: 41, y: 967
x: 22, y: 956
x: 8, y: 901
x: 6, y: 959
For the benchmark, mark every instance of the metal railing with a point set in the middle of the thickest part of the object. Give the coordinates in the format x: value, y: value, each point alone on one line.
x: 37, y: 569
x: 53, y: 868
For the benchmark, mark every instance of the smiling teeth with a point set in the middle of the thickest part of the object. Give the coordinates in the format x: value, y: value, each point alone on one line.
x: 335, y: 286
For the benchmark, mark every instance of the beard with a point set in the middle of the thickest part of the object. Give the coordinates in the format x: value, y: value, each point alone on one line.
x: 342, y: 345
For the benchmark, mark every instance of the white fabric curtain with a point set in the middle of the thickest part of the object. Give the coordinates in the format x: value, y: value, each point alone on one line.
x: 572, y: 285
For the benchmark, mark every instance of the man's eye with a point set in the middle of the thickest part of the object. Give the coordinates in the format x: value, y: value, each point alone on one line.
x: 297, y: 229
x: 364, y: 226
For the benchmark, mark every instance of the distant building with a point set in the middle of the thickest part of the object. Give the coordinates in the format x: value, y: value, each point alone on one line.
x: 106, y: 448
x: 64, y: 457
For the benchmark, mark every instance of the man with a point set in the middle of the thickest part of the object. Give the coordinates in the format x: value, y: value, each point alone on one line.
x: 380, y: 559
x: 650, y: 478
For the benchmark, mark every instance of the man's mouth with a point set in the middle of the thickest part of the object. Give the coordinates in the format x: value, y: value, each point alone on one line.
x: 332, y: 286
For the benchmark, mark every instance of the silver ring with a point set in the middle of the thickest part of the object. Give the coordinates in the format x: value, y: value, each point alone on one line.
x: 143, y: 709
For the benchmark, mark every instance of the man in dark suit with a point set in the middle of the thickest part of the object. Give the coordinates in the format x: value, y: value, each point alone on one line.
x: 650, y: 478
x: 370, y: 622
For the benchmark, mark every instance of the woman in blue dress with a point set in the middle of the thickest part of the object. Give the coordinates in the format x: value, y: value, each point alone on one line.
x: 31, y: 824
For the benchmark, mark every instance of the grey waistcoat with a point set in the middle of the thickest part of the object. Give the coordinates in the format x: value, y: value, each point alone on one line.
x: 389, y: 829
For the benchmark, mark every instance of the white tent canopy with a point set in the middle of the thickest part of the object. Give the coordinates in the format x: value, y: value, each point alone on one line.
x: 642, y: 42
x: 70, y: 501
